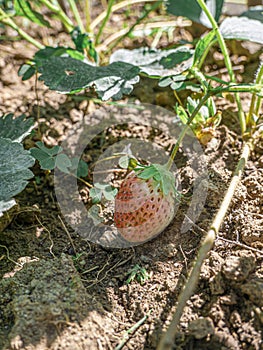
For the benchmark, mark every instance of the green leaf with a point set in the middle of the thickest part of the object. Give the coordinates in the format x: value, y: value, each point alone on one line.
x: 202, y: 45
x: 164, y: 179
x: 167, y: 179
x: 100, y: 191
x: 23, y: 8
x: 93, y: 213
x: 67, y: 75
x: 110, y: 193
x: 80, y: 166
x: 59, y: 51
x: 95, y: 194
x: 191, y: 10
x: 51, y: 151
x: 47, y: 157
x: 255, y: 12
x: 166, y: 81
x: 148, y: 172
x: 14, y: 171
x: 242, y: 28
x: 63, y: 163
x: 124, y: 162
x: 180, y: 111
x: 156, y: 63
x: 81, y: 40
x: 15, y: 129
x: 26, y: 71
x: 178, y: 83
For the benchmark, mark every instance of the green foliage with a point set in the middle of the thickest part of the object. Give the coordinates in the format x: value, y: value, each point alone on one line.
x: 47, y: 156
x: 163, y: 178
x: 79, y: 167
x: 14, y: 172
x: 94, y: 214
x: 127, y: 160
x: 156, y: 63
x: 255, y: 12
x: 23, y: 8
x: 15, y: 129
x: 137, y: 273
x: 102, y: 191
x: 206, y: 120
x: 15, y: 161
x: 50, y: 158
x: 117, y: 79
x: 201, y: 47
x: 242, y: 28
x: 26, y: 71
x: 191, y: 10
x: 68, y: 75
x: 83, y: 41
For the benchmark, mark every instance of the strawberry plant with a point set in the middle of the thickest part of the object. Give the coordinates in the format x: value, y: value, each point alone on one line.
x: 15, y: 160
x: 137, y: 273
x: 145, y: 202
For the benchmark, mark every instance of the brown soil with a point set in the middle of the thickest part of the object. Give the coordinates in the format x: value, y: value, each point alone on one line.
x: 64, y: 296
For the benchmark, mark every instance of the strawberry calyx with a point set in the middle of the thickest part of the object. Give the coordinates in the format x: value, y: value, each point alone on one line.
x: 163, y: 179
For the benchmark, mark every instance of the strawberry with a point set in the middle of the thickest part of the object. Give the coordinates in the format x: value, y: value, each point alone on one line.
x: 144, y: 205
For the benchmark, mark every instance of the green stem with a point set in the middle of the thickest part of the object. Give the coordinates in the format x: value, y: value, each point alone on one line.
x: 167, y: 341
x: 254, y: 88
x: 76, y: 14
x: 218, y: 80
x: 105, y: 20
x: 255, y: 108
x: 185, y: 129
x: 206, y: 53
x: 258, y: 105
x: 251, y: 88
x: 60, y: 14
x: 200, y: 77
x: 224, y: 50
x: 8, y: 21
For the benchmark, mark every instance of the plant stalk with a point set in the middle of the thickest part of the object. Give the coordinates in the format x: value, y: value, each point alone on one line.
x: 167, y: 341
x: 228, y: 63
x: 76, y: 14
x: 8, y: 21
x: 105, y: 20
x: 255, y: 106
x: 256, y: 88
x: 60, y: 14
x: 185, y: 129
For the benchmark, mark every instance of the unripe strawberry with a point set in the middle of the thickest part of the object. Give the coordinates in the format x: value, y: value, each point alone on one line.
x: 145, y: 204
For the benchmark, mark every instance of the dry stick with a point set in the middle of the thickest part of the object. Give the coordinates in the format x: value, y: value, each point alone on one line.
x: 114, y: 8
x: 144, y: 26
x: 167, y: 340
x: 76, y: 14
x: 242, y: 245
